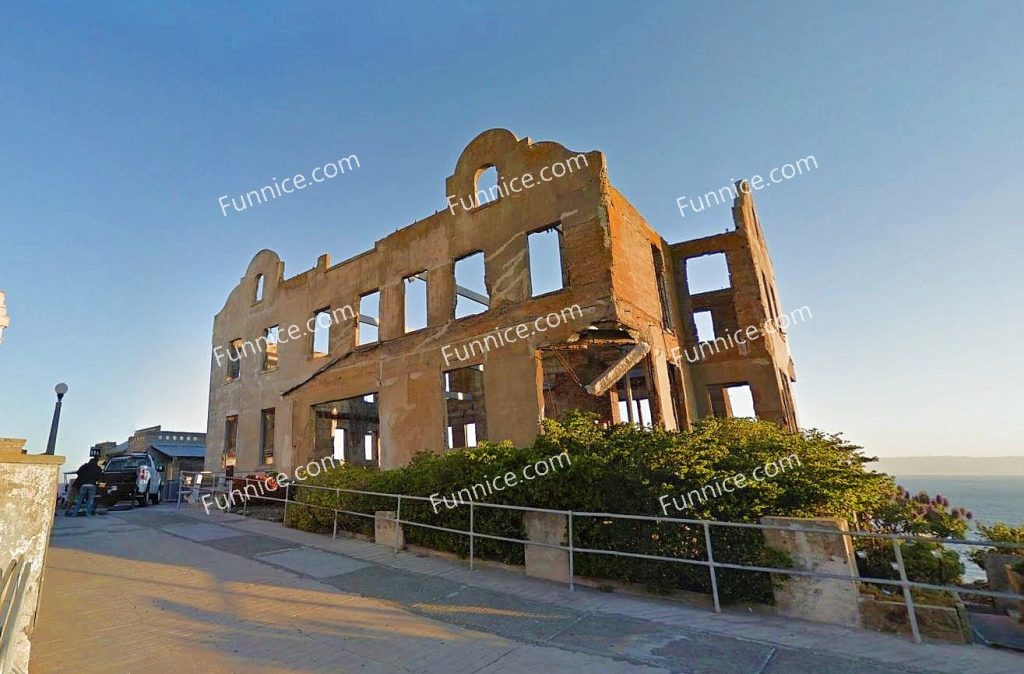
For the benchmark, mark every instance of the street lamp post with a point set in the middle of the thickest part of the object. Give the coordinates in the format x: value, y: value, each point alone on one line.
x: 60, y: 390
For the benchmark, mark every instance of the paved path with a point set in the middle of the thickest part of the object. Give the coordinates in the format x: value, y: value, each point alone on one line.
x: 159, y: 590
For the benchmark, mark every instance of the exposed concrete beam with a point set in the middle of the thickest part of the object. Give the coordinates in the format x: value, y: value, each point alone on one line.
x: 614, y: 373
x: 460, y: 290
x: 475, y: 296
x: 369, y: 320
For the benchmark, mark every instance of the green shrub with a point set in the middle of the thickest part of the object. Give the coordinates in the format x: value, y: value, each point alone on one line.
x: 924, y: 562
x: 919, y: 513
x: 999, y: 532
x: 622, y: 469
x: 318, y: 516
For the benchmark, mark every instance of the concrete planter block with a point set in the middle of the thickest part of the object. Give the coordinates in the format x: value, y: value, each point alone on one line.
x: 820, y: 599
x: 544, y: 562
x: 28, y: 494
x: 386, y: 531
x: 998, y: 578
x: 1017, y: 587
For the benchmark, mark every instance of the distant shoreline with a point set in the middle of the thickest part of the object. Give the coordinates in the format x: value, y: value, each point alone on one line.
x: 961, y: 466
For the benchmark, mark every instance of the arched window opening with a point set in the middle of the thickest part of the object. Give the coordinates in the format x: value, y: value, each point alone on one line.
x: 487, y: 187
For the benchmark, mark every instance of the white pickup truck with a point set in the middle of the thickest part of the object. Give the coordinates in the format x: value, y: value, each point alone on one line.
x: 130, y: 477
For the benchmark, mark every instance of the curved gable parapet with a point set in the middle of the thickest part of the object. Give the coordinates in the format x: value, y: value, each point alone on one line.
x: 512, y: 157
x: 266, y: 264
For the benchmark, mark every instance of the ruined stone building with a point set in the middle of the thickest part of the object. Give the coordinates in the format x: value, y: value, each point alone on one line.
x: 333, y: 361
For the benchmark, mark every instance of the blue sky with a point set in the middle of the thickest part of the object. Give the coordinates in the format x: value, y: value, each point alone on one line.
x: 124, y: 122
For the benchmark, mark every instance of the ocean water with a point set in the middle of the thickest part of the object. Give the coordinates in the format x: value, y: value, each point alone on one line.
x: 992, y: 498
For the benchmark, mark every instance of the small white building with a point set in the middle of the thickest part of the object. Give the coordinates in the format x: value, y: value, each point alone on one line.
x: 4, y: 319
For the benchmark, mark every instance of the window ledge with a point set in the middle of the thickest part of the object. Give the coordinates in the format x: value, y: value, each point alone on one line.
x: 548, y: 294
x: 463, y: 318
x: 481, y: 207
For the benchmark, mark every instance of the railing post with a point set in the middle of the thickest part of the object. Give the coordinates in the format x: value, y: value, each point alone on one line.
x: 711, y: 567
x: 287, y: 491
x: 908, y: 598
x: 471, y: 535
x: 245, y: 498
x: 572, y: 580
x: 337, y: 498
x: 398, y: 521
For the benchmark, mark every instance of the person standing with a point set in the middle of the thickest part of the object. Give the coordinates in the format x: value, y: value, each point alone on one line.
x: 85, y: 483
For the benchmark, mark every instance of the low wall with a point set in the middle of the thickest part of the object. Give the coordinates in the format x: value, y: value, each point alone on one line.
x: 388, y: 532
x: 944, y: 623
x: 998, y: 580
x: 543, y: 561
x: 28, y: 495
x: 827, y: 600
x: 819, y: 599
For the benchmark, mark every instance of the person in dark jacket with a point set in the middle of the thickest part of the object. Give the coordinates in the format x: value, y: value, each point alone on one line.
x: 85, y: 483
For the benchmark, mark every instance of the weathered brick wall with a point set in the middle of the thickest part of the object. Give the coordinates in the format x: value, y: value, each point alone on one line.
x: 751, y: 300
x: 609, y: 272
x: 405, y: 368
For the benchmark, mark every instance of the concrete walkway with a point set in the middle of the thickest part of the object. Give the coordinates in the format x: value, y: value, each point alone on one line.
x: 157, y: 590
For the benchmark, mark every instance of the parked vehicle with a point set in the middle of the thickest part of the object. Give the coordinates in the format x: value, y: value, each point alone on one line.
x: 131, y: 477
x: 64, y: 491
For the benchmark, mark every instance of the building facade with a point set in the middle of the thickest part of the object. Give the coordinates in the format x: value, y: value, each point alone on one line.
x: 546, y: 292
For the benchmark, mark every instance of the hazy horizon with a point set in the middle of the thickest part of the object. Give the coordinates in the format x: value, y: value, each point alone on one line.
x: 1004, y: 466
x: 955, y: 456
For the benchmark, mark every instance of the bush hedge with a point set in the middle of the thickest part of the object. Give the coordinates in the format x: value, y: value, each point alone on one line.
x: 620, y: 469
x: 999, y: 532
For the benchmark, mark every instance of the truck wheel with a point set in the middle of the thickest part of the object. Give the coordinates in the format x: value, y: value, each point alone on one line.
x: 155, y: 498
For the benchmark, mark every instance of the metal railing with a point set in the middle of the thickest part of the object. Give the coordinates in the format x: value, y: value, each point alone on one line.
x: 169, y: 490
x: 13, y: 582
x: 217, y: 483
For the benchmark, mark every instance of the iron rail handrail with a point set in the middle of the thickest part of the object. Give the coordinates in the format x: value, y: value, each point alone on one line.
x: 13, y: 584
x: 711, y: 564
